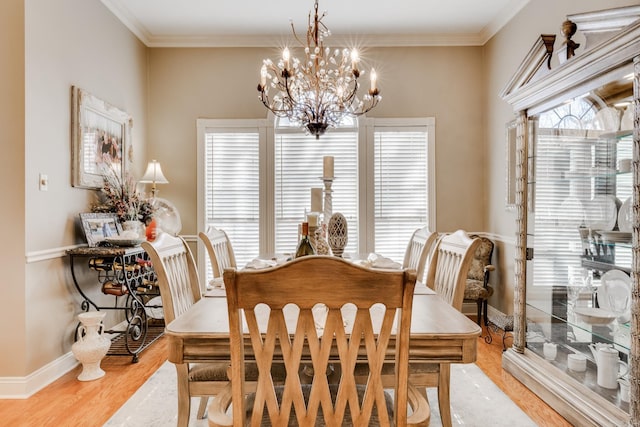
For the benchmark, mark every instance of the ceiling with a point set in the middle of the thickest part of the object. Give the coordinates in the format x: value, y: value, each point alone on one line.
x: 200, y: 23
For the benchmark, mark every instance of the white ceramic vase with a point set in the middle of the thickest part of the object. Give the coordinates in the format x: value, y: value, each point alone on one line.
x: 91, y: 346
x: 136, y: 227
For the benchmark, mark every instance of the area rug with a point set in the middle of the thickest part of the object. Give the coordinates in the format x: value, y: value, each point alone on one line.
x: 475, y: 401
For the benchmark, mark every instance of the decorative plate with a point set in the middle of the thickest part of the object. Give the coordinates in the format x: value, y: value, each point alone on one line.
x: 615, y: 285
x: 602, y: 213
x: 625, y: 217
x: 594, y: 316
x: 167, y: 216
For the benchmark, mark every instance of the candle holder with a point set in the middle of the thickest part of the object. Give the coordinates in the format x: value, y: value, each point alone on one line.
x: 328, y: 207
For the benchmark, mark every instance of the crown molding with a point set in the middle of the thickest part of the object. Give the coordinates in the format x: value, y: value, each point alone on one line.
x: 502, y: 19
x: 371, y: 40
x: 262, y: 40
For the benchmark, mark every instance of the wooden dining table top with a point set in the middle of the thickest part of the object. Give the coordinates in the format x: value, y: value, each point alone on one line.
x: 439, y: 333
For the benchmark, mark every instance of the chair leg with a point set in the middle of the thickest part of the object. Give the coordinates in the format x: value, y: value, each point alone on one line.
x: 423, y: 393
x: 485, y: 309
x: 444, y: 403
x: 479, y: 314
x: 202, y: 409
x: 184, y: 400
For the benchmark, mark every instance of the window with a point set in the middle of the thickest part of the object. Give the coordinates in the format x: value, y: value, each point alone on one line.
x: 400, y: 187
x: 255, y: 180
x: 298, y: 168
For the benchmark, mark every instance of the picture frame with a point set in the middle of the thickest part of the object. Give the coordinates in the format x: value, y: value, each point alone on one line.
x: 101, y: 139
x: 99, y: 226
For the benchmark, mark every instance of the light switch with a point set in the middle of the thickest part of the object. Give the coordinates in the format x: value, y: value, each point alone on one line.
x: 44, y: 182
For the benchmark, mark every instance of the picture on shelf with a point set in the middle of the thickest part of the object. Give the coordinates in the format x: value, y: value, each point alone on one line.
x: 99, y: 226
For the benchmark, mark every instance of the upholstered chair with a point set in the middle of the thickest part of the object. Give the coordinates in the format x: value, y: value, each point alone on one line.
x: 477, y: 288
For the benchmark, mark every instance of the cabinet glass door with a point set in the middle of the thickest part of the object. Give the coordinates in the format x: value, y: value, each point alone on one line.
x: 580, y: 184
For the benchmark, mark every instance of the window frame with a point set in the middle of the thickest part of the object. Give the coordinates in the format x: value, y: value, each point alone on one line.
x: 366, y: 128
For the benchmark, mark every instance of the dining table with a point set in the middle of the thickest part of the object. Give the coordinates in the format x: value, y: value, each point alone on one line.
x: 439, y: 333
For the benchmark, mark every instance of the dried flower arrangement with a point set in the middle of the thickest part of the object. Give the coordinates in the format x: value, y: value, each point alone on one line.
x: 120, y: 196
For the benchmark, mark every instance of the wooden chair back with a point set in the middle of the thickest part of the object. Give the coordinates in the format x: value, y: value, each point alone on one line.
x: 418, y: 249
x: 318, y: 335
x: 219, y: 248
x: 450, y: 265
x: 176, y: 272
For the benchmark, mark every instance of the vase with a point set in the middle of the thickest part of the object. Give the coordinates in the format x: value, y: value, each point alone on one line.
x: 337, y: 232
x: 91, y: 345
x: 321, y: 244
x: 135, y: 226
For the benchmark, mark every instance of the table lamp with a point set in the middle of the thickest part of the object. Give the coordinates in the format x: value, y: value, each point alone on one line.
x: 153, y: 176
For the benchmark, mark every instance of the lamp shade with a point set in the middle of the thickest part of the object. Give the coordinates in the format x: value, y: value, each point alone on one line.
x: 153, y: 174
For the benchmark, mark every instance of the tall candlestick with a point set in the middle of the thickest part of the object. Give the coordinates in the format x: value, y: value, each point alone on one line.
x: 327, y: 167
x: 316, y: 200
x: 328, y: 202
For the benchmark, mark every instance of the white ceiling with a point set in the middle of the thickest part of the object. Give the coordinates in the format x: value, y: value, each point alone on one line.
x: 191, y: 23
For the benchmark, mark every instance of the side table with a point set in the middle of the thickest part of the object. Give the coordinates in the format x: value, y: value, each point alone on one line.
x: 128, y: 276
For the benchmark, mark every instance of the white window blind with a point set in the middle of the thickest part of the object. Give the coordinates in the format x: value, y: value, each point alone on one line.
x: 298, y: 168
x: 232, y: 188
x: 255, y: 182
x: 401, y: 187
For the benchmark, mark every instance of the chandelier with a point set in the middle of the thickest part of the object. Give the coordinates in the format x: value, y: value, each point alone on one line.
x: 319, y: 91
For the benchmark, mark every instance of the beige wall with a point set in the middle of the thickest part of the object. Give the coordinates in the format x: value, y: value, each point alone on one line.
x: 446, y: 83
x: 12, y: 226
x: 48, y: 46
x: 502, y: 56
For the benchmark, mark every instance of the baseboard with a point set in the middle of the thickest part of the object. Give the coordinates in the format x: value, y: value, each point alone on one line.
x: 25, y: 387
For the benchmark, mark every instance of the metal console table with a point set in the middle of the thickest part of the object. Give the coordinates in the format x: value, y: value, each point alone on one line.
x: 127, y: 275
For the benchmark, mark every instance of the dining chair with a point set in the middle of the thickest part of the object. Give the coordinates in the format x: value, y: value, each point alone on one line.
x: 418, y: 249
x: 220, y: 251
x: 179, y: 289
x: 447, y: 276
x: 300, y: 310
x: 447, y: 273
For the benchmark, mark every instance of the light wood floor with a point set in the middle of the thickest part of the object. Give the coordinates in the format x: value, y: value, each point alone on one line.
x: 68, y: 402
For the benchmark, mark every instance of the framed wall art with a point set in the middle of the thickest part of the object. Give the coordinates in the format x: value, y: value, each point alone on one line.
x: 98, y: 226
x: 101, y: 138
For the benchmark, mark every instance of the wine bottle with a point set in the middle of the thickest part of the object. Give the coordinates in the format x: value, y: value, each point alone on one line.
x: 304, y: 246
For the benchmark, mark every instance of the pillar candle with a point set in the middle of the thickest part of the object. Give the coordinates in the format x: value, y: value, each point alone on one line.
x: 312, y: 219
x: 316, y: 200
x: 327, y: 167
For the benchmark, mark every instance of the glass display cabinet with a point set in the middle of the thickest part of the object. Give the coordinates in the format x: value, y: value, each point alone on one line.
x: 575, y: 333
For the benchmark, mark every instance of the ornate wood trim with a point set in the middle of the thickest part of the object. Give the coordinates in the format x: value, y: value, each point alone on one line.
x: 591, y: 66
x: 522, y: 203
x: 634, y: 356
x: 541, y: 51
x: 600, y: 25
